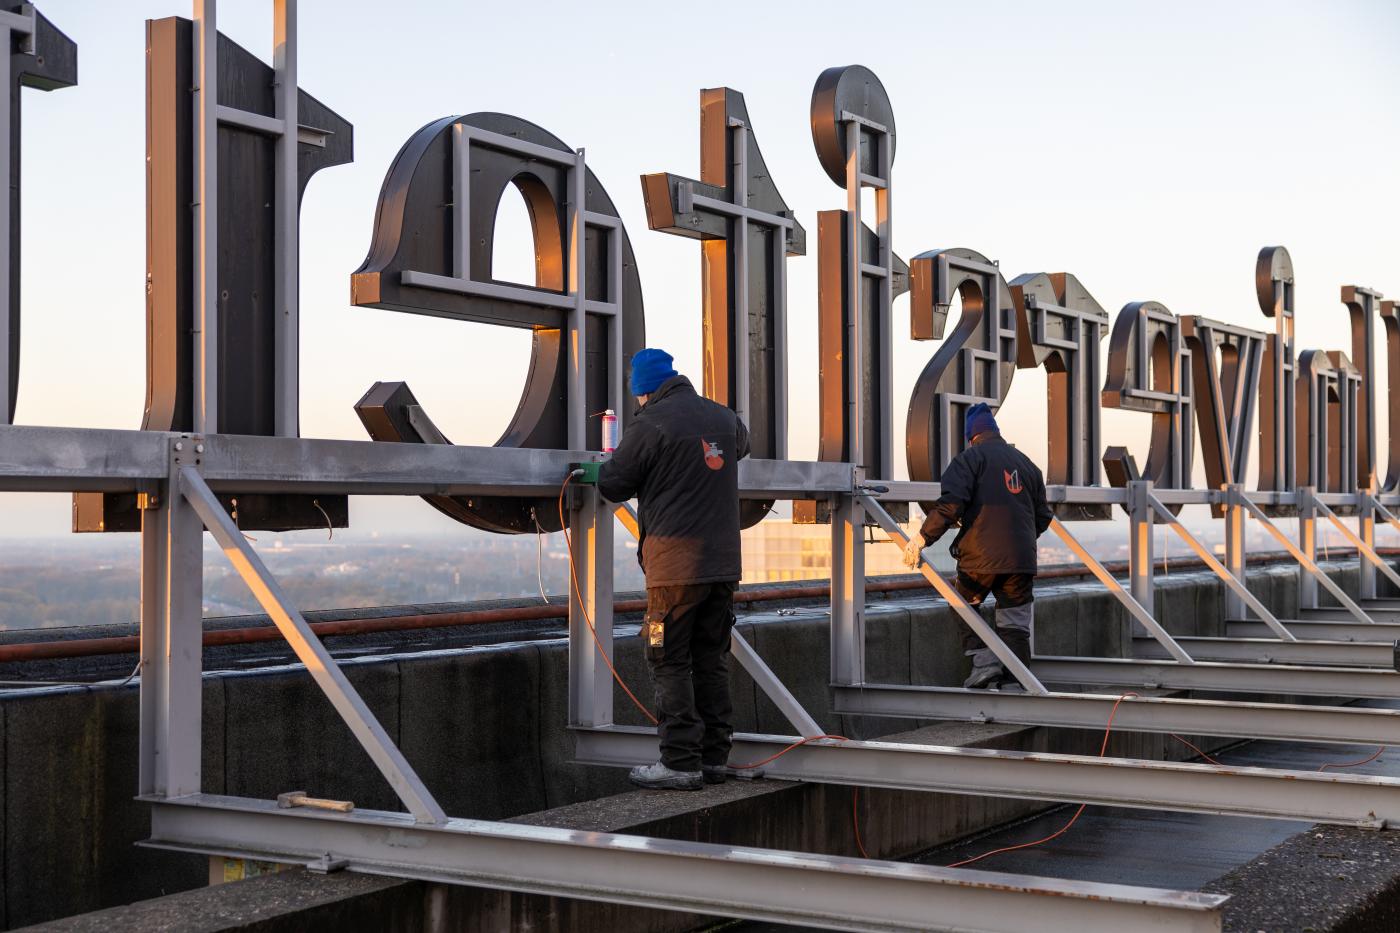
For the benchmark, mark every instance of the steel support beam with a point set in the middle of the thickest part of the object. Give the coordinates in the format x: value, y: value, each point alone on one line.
x: 1379, y: 616
x: 1236, y: 547
x: 1350, y: 682
x: 1279, y: 722
x: 1349, y: 799
x: 308, y: 648
x: 1269, y: 650
x: 971, y: 617
x: 1307, y: 501
x: 172, y: 638
x: 847, y: 591
x: 831, y: 892
x: 1338, y: 628
x: 590, y: 609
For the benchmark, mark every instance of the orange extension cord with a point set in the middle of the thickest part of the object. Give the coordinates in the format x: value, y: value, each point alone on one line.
x: 855, y: 792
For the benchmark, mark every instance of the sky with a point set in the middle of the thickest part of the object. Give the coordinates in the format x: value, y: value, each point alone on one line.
x: 1150, y: 149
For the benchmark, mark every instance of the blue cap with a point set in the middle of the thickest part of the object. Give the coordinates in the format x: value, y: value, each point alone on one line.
x: 979, y: 421
x: 650, y: 368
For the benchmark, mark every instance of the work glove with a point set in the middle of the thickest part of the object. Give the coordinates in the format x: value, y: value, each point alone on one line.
x: 913, y: 549
x: 588, y: 473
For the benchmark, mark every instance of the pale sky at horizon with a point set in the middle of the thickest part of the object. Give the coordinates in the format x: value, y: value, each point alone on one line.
x: 1151, y: 150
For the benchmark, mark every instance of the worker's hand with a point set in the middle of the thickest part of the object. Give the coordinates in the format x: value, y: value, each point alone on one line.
x: 913, y: 549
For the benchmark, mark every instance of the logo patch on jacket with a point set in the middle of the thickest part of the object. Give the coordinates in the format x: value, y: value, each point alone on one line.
x: 1013, y: 481
x: 714, y: 457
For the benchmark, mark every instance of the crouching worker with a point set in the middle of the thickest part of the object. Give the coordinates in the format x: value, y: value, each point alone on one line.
x: 679, y: 457
x: 998, y: 495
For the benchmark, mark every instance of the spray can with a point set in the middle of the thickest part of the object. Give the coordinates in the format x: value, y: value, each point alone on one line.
x: 609, y: 431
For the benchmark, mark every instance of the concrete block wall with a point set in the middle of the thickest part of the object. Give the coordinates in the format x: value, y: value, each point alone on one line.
x: 484, y: 726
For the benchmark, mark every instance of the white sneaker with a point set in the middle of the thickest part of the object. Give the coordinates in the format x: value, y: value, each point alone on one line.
x: 660, y: 777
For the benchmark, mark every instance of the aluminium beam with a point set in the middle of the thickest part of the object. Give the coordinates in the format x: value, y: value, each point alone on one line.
x: 1350, y: 682
x: 831, y: 892
x: 1271, y: 721
x: 1335, y: 629
x: 348, y: 703
x: 1171, y: 647
x: 1326, y: 797
x: 34, y: 459
x: 1310, y: 568
x: 1269, y: 650
x: 1334, y: 613
x: 1235, y: 584
x: 1365, y: 551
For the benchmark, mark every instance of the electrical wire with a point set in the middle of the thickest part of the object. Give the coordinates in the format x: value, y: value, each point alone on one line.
x: 1108, y: 728
x: 74, y: 683
x: 855, y: 821
x: 1354, y: 764
x: 539, y: 555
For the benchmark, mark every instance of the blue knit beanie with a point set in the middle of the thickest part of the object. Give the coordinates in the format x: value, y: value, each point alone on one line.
x: 650, y: 368
x: 979, y: 420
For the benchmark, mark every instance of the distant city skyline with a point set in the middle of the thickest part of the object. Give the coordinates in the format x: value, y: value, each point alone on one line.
x: 1150, y: 151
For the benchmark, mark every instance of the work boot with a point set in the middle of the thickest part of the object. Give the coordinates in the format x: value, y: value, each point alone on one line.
x: 987, y: 669
x: 984, y: 676
x: 660, y: 777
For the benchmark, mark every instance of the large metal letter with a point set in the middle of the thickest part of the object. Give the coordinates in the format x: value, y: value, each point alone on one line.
x: 747, y: 233
x: 1226, y: 361
x: 44, y: 58
x: 1361, y: 308
x: 1065, y: 326
x: 1273, y: 282
x: 247, y: 385
x: 434, y: 233
x: 1390, y: 316
x: 1328, y: 386
x: 975, y: 364
x: 853, y: 132
x: 1149, y: 369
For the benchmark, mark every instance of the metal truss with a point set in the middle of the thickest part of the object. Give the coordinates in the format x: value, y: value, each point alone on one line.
x: 180, y: 476
x: 1318, y: 626
x: 1264, y: 649
x: 1356, y: 800
x: 1275, y: 679
x: 1273, y: 721
x: 758, y: 884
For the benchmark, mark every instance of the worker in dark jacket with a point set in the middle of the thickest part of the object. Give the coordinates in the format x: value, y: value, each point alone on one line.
x: 998, y: 495
x: 679, y: 457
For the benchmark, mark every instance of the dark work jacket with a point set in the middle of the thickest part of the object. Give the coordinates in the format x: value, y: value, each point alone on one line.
x: 680, y: 457
x: 999, y: 495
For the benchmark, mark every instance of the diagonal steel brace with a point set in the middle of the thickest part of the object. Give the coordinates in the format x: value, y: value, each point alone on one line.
x: 1233, y: 582
x: 322, y: 667
x: 1135, y: 608
x: 1307, y: 563
x: 1361, y: 546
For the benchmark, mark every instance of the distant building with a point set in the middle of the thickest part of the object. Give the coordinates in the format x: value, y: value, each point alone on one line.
x: 777, y: 550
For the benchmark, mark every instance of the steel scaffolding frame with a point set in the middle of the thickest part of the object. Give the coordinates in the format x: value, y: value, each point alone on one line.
x: 177, y: 477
